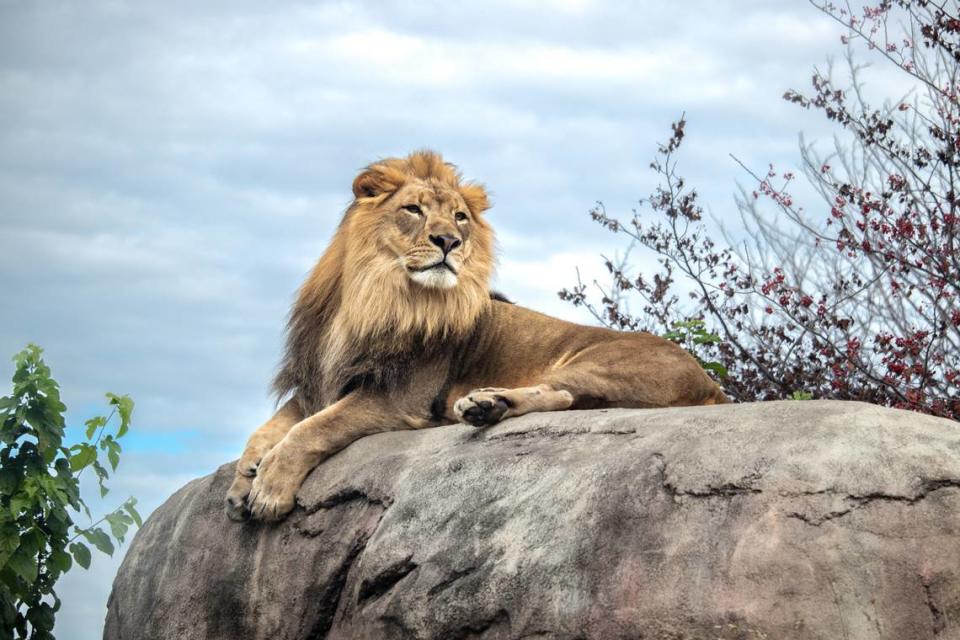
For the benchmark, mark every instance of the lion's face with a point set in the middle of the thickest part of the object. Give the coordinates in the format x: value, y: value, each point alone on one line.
x: 411, y: 260
x: 415, y: 222
x: 429, y: 229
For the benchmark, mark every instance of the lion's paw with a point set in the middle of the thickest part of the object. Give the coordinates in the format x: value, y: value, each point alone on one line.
x: 274, y: 491
x: 251, y: 457
x: 482, y: 407
x: 236, y: 502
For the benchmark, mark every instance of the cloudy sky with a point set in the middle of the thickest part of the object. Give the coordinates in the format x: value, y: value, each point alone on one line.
x: 169, y: 171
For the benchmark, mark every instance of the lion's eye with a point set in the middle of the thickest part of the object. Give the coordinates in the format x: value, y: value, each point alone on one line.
x: 412, y: 208
x: 460, y: 216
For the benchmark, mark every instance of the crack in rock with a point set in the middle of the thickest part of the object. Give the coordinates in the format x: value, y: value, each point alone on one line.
x: 544, y: 432
x: 477, y: 629
x: 330, y: 598
x: 743, y: 486
x: 310, y: 527
x: 939, y: 620
x: 816, y: 521
x: 385, y: 580
x: 395, y: 622
x: 347, y: 495
x: 859, y: 501
x: 447, y: 582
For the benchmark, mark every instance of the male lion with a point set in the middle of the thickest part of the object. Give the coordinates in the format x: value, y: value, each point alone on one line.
x: 395, y: 328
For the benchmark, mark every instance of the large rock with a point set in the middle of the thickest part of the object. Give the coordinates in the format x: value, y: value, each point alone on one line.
x: 778, y: 520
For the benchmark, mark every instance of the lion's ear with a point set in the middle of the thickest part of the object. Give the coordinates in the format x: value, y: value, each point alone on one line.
x: 476, y: 197
x: 376, y: 180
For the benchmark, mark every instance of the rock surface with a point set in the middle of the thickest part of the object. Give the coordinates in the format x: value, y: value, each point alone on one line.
x: 828, y: 520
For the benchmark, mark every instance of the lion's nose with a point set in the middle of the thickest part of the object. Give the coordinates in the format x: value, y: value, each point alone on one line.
x: 447, y: 243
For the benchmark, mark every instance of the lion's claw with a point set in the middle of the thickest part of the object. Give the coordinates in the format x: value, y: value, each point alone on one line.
x: 267, y: 504
x: 273, y: 493
x: 236, y: 502
x: 481, y: 408
x: 252, y: 457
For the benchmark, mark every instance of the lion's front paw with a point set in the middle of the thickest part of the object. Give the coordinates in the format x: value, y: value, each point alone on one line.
x: 236, y: 502
x: 482, y: 407
x: 274, y: 491
x: 253, y: 453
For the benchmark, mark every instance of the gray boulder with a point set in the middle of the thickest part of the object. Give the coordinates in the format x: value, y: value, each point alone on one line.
x: 829, y: 520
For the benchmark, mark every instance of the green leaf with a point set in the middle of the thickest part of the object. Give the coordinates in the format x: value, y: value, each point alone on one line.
x: 20, y: 503
x: 102, y: 475
x: 129, y: 508
x: 9, y: 536
x: 119, y: 522
x: 9, y: 479
x: 81, y: 554
x: 85, y: 508
x: 99, y: 539
x: 113, y: 456
x: 48, y: 426
x: 32, y: 541
x: 85, y: 455
x: 93, y: 424
x: 24, y: 565
x: 60, y: 560
x: 58, y: 523
x: 124, y: 407
x: 11, y: 430
x: 113, y: 451
x: 41, y: 619
x: 801, y: 395
x: 716, y: 367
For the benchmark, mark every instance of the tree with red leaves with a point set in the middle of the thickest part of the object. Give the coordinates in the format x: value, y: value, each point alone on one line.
x: 859, y: 300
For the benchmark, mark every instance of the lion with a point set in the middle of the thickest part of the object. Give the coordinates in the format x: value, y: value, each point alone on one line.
x: 396, y: 328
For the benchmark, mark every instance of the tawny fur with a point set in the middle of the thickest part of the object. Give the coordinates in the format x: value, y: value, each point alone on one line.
x: 383, y: 314
x: 371, y: 348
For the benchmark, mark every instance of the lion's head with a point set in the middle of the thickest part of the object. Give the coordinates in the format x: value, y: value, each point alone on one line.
x: 409, y: 264
x: 427, y: 224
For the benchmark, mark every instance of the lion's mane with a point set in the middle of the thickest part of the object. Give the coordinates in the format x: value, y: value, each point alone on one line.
x: 358, y: 319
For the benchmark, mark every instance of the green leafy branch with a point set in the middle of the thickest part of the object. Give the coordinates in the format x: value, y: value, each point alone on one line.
x: 40, y: 490
x: 693, y: 335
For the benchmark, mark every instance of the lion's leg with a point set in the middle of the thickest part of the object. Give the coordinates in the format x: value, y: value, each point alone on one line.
x: 487, y: 406
x: 310, y: 441
x: 269, y: 434
x: 631, y: 371
x: 262, y: 440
